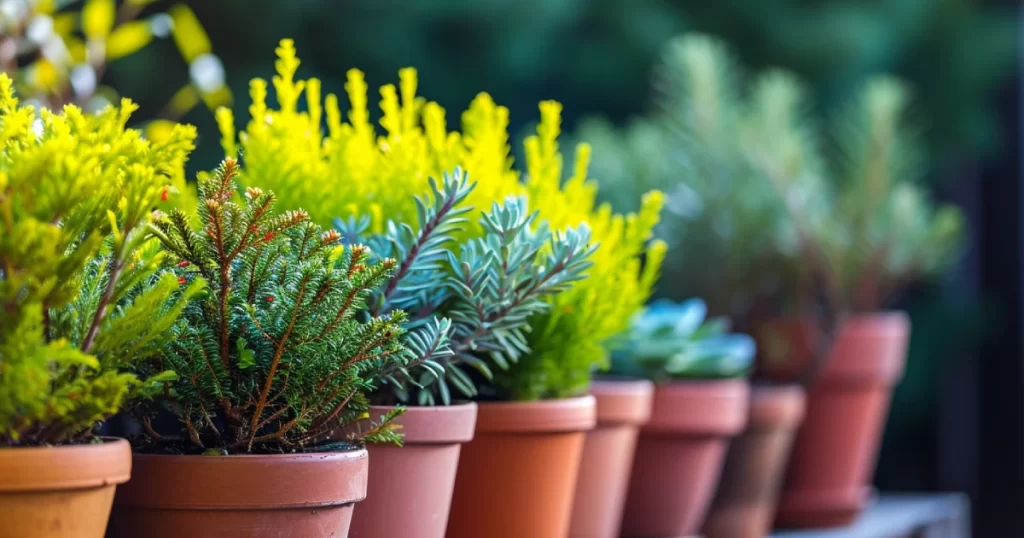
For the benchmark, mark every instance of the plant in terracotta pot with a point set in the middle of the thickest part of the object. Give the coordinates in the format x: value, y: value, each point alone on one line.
x: 723, y: 212
x: 488, y: 291
x: 863, y: 230
x: 819, y: 225
x: 271, y: 362
x: 700, y: 402
x: 386, y: 172
x: 81, y: 302
x: 471, y: 279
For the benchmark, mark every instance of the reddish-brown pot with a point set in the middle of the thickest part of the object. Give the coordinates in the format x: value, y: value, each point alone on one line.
x: 410, y: 488
x: 61, y: 491
x: 744, y: 506
x: 260, y: 496
x: 833, y: 459
x: 680, y: 455
x: 518, y: 475
x: 623, y: 406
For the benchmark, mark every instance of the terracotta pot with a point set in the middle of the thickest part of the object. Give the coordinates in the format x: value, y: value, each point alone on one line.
x: 410, y: 488
x: 518, y: 475
x: 61, y: 491
x: 744, y: 506
x: 833, y: 460
x: 680, y: 455
x: 623, y: 406
x: 308, y: 495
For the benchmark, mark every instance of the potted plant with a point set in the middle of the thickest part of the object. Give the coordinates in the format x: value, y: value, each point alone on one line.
x: 820, y: 227
x: 488, y: 290
x: 272, y: 361
x: 700, y: 402
x: 81, y: 304
x: 726, y: 228
x: 863, y: 229
x: 387, y: 171
x: 469, y: 280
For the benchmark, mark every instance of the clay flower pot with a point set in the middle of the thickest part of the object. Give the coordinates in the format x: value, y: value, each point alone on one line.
x: 748, y: 491
x: 680, y: 454
x: 260, y: 496
x: 410, y: 488
x: 61, y: 491
x: 623, y: 406
x: 833, y: 460
x: 518, y: 475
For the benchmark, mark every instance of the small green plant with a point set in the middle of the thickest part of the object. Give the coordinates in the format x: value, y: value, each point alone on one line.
x: 274, y: 357
x: 486, y: 288
x: 80, y: 299
x: 676, y: 341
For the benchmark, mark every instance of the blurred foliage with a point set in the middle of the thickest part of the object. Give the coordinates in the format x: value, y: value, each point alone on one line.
x: 767, y: 206
x: 58, y: 52
x: 678, y: 341
x: 596, y: 55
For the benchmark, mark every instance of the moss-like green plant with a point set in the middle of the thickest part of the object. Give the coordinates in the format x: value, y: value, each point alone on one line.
x: 797, y: 214
x: 273, y: 358
x: 488, y: 288
x: 353, y: 170
x: 676, y: 341
x: 80, y: 301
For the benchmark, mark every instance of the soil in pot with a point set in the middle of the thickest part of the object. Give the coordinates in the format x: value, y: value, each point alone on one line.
x: 744, y: 506
x: 257, y: 496
x: 623, y: 406
x: 517, y: 476
x: 833, y: 458
x: 680, y: 454
x: 410, y: 487
x: 61, y: 491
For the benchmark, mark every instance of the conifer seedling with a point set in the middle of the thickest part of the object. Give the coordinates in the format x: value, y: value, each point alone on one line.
x: 275, y: 356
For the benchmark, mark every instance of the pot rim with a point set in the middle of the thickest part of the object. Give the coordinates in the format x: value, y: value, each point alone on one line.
x: 711, y: 407
x: 777, y: 406
x: 196, y: 482
x: 434, y: 424
x: 65, y: 467
x: 623, y: 401
x: 887, y: 331
x: 541, y: 416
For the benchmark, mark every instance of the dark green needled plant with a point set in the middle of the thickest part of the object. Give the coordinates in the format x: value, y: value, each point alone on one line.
x: 469, y: 300
x: 275, y: 357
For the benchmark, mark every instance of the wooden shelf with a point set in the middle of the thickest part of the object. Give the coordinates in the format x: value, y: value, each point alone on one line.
x: 904, y: 516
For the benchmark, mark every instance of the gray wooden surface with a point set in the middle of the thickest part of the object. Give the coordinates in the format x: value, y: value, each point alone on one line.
x: 904, y: 516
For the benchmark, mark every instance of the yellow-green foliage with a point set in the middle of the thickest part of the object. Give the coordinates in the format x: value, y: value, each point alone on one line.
x: 353, y: 169
x: 79, y: 298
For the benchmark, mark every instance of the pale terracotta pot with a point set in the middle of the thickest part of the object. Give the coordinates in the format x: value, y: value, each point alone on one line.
x: 680, y: 455
x: 623, y: 406
x: 518, y: 475
x: 410, y: 487
x: 257, y: 496
x: 744, y: 506
x: 828, y: 483
x: 61, y: 491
